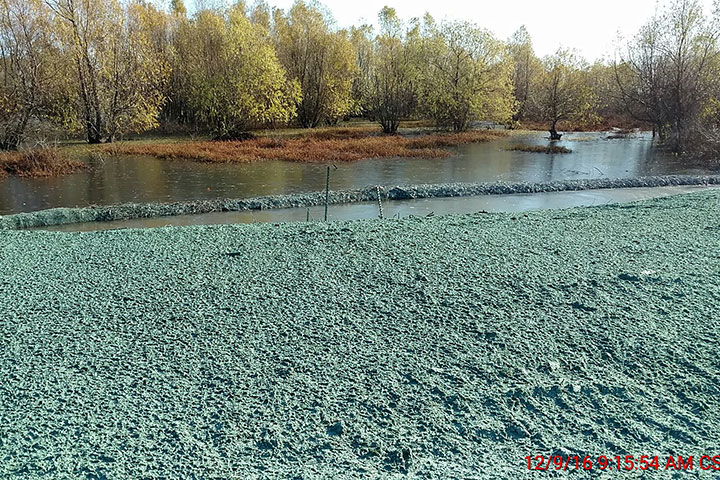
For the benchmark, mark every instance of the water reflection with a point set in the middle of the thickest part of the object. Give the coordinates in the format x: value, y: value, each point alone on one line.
x: 401, y: 208
x: 144, y: 179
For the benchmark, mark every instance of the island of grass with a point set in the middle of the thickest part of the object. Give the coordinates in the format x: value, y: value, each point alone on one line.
x: 444, y: 347
x: 550, y: 149
x: 323, y: 146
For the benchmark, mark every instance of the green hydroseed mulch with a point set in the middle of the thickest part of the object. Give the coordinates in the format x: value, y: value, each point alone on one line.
x: 447, y: 347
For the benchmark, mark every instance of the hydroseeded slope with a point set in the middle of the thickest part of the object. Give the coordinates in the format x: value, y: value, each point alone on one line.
x: 446, y: 347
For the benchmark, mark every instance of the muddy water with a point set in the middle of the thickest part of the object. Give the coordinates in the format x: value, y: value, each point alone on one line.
x: 143, y: 179
x: 398, y: 208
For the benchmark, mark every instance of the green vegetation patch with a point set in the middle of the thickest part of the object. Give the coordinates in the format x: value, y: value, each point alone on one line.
x: 443, y: 347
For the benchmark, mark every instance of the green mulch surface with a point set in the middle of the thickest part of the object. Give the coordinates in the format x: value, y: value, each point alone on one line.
x: 445, y: 347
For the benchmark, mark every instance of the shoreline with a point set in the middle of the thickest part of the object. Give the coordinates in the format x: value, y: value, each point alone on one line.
x: 129, y: 211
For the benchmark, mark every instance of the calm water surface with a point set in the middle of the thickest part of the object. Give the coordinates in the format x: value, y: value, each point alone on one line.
x: 144, y: 179
x: 400, y: 208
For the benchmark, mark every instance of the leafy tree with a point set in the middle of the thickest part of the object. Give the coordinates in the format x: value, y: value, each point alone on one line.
x: 322, y: 62
x: 260, y: 14
x: 527, y: 67
x: 362, y: 41
x: 563, y: 91
x: 610, y: 106
x: 231, y: 73
x: 114, y: 77
x: 24, y: 67
x: 469, y: 76
x: 178, y: 7
x: 395, y: 73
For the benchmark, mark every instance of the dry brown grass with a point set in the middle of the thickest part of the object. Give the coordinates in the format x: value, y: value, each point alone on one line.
x: 41, y: 162
x: 540, y: 149
x: 339, y: 145
x: 334, y: 133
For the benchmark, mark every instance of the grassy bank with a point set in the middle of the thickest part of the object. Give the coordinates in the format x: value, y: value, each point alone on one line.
x: 445, y: 347
x: 328, y: 145
x: 45, y: 162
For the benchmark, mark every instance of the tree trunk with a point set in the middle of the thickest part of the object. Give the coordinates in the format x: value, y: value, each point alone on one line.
x: 389, y: 126
x: 9, y: 144
x: 12, y: 139
x: 554, y: 135
x: 94, y: 137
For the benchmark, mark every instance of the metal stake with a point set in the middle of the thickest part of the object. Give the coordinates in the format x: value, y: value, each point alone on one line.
x: 327, y: 192
x: 377, y: 187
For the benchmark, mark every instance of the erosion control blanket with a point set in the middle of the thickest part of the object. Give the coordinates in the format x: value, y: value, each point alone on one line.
x: 446, y: 347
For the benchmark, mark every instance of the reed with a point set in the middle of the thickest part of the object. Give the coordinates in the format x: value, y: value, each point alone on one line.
x: 38, y: 162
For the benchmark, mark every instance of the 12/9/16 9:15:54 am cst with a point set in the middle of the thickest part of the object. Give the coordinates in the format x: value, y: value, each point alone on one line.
x: 706, y: 463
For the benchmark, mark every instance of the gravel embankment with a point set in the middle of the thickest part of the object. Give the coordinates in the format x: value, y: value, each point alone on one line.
x: 102, y: 213
x: 446, y: 347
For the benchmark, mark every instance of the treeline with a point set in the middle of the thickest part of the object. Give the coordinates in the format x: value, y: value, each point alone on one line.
x: 107, y: 68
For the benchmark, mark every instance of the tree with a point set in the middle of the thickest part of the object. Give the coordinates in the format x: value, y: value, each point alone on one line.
x: 610, y: 105
x: 24, y: 67
x: 563, y: 92
x: 667, y: 73
x: 469, y: 75
x: 527, y: 67
x: 362, y: 42
x: 231, y: 73
x: 112, y: 62
x: 395, y: 72
x: 178, y: 8
x: 260, y: 14
x: 322, y: 62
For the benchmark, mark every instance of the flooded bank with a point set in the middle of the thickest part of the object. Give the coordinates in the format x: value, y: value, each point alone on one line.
x: 119, y: 180
x: 398, y: 208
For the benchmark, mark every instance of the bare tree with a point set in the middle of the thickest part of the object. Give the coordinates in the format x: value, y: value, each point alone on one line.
x: 665, y: 74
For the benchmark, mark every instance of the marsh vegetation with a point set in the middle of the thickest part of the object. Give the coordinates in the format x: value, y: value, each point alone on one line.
x: 322, y: 147
x: 38, y: 162
x: 540, y: 148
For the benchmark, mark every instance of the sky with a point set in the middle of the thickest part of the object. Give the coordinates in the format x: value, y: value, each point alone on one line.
x: 590, y: 27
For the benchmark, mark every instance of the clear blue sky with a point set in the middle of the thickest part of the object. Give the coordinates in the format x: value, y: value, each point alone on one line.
x: 591, y: 27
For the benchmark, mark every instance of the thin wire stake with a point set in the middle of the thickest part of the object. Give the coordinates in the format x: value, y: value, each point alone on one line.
x: 377, y: 187
x: 327, y: 191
